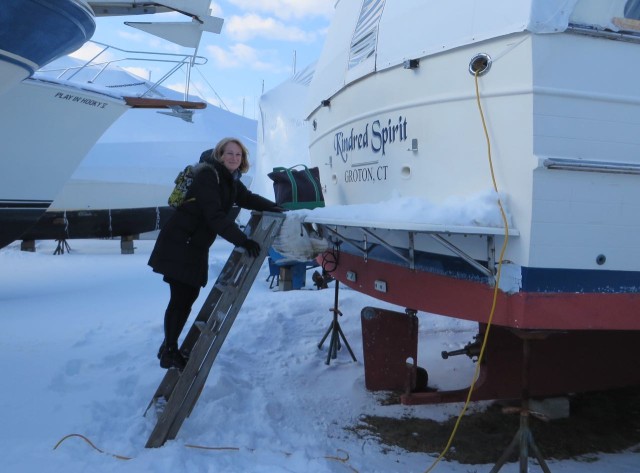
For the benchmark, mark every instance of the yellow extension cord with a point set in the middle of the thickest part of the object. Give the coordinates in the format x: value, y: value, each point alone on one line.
x: 495, y: 290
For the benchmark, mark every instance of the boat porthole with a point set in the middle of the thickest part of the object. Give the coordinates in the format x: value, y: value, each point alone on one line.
x: 600, y: 259
x: 405, y: 172
x: 480, y: 64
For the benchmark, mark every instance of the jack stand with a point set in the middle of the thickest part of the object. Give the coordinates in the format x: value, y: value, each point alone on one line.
x: 62, y: 246
x: 336, y: 333
x: 524, y: 437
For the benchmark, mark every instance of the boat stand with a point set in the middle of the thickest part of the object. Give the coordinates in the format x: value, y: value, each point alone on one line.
x: 523, y: 438
x: 336, y: 332
x: 61, y: 247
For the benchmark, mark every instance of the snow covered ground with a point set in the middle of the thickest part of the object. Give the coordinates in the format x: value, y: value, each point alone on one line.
x: 80, y: 332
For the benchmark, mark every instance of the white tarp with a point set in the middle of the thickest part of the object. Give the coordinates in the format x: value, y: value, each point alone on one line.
x: 283, y: 133
x: 417, y: 28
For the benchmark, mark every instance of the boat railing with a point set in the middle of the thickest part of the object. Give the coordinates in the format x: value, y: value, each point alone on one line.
x: 174, y: 61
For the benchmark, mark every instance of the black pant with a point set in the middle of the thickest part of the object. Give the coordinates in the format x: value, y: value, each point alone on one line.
x: 182, y: 298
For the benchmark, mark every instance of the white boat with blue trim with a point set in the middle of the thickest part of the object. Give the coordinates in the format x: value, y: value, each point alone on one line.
x: 55, y: 121
x: 121, y: 187
x: 429, y: 100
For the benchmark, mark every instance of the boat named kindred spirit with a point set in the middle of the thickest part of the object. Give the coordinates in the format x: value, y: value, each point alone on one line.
x: 399, y: 104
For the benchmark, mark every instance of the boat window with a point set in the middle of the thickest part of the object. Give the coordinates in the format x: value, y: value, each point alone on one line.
x: 365, y: 36
x: 632, y: 9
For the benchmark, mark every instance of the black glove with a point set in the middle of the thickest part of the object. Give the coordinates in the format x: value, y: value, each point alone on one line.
x: 252, y: 247
x: 277, y: 208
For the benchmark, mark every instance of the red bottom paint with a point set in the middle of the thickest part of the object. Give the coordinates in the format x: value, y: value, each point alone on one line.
x: 576, y: 342
x: 471, y: 300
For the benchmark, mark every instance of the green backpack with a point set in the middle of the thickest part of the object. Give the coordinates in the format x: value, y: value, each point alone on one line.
x: 182, y: 184
x: 182, y: 181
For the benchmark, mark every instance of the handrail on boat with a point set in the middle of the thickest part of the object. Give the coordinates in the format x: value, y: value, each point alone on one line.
x: 588, y: 30
x: 178, y: 61
x: 489, y: 271
x: 587, y: 165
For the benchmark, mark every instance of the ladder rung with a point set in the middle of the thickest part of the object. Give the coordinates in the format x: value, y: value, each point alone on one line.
x: 220, y: 286
x: 203, y: 326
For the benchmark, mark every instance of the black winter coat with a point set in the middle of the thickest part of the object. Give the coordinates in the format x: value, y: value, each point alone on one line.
x: 181, y: 251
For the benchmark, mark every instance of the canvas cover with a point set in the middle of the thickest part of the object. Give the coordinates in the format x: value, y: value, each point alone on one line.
x: 401, y: 30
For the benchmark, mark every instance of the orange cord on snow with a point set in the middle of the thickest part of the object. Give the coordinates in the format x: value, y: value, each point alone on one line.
x: 495, y: 289
x: 119, y: 457
x: 202, y: 447
x: 343, y: 456
x: 122, y: 457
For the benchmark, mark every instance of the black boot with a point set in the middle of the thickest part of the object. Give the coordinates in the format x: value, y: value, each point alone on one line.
x: 183, y: 352
x: 172, y: 358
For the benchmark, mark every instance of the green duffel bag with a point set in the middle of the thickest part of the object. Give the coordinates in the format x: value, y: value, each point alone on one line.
x: 297, y: 188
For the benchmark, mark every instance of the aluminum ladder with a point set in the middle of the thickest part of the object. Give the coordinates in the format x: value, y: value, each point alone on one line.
x: 178, y: 392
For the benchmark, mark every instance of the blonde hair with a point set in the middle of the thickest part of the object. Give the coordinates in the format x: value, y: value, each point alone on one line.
x: 222, y: 144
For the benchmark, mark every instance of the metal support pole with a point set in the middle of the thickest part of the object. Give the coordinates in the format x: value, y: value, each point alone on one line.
x: 524, y: 437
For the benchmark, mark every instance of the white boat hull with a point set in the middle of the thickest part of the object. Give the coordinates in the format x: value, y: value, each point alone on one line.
x: 434, y: 110
x: 396, y: 116
x: 131, y: 170
x: 52, y: 120
x: 564, y: 150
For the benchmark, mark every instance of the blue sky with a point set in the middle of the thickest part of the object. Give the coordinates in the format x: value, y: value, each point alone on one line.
x: 255, y: 49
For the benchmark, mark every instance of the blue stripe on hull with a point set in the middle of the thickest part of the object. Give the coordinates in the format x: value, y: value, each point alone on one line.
x: 43, y: 30
x: 534, y: 280
x: 580, y: 280
x: 14, y: 61
x: 24, y: 204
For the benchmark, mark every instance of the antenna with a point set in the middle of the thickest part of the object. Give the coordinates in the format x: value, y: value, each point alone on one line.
x: 294, y: 63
